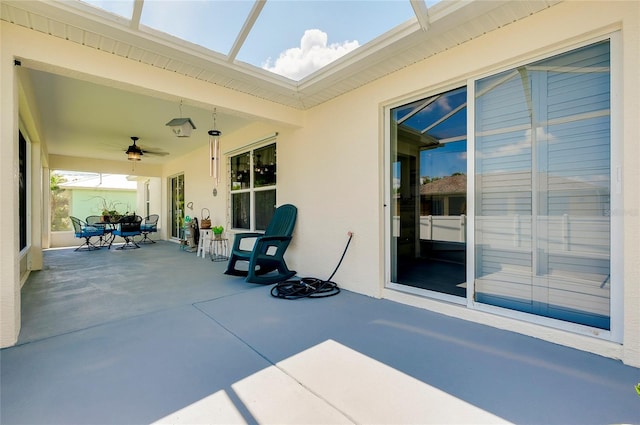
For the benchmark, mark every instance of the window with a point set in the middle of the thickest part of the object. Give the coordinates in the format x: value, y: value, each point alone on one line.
x: 253, y: 188
x: 22, y: 190
x: 147, y: 198
x: 543, y: 188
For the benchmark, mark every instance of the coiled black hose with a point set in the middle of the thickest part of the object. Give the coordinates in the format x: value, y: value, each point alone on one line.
x: 309, y: 287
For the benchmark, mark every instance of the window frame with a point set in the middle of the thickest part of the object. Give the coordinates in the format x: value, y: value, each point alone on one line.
x: 147, y: 198
x: 24, y: 191
x: 251, y: 190
x: 176, y: 207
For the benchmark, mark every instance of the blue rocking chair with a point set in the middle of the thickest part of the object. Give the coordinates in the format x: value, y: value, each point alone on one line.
x: 266, y: 259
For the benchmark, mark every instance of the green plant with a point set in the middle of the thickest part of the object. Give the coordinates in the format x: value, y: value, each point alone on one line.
x: 638, y: 388
x: 108, y: 207
x: 60, y: 200
x: 217, y: 229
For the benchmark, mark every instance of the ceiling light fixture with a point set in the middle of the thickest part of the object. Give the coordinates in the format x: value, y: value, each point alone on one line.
x: 134, y: 153
x: 181, y: 127
x: 214, y: 150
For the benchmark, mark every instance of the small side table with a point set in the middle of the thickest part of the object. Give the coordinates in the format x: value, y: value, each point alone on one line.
x: 219, y: 249
x: 204, y: 244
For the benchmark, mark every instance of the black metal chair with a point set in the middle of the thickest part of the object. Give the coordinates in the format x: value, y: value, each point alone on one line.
x: 84, y: 231
x: 267, y: 255
x: 150, y: 225
x: 96, y: 221
x: 127, y: 228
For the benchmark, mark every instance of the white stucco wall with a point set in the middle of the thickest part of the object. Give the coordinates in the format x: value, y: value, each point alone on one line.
x: 9, y: 243
x: 199, y: 185
x: 331, y: 157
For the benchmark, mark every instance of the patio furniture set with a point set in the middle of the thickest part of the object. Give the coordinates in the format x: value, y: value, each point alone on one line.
x: 127, y: 227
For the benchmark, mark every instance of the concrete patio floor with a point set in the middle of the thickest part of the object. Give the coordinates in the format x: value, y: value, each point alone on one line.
x: 159, y: 335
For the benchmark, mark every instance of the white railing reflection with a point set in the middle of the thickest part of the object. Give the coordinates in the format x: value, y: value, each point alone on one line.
x: 448, y: 228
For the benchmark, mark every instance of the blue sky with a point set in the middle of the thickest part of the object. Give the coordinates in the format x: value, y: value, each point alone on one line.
x: 440, y: 162
x: 291, y: 37
x: 444, y: 161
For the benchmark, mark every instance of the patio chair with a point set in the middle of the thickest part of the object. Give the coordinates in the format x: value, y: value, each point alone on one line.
x: 84, y: 231
x: 150, y: 225
x: 266, y: 258
x: 127, y: 228
x: 96, y: 221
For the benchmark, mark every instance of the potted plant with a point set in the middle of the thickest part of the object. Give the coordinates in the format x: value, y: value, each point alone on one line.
x: 217, y: 231
x: 108, y: 210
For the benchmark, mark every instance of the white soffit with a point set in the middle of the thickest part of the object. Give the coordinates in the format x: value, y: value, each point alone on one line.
x: 445, y: 25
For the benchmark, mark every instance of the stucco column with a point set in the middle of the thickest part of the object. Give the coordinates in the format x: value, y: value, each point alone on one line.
x: 9, y: 225
x: 37, y: 215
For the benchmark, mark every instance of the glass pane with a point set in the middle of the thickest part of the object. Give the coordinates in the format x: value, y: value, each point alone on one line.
x: 296, y: 38
x: 122, y: 8
x: 543, y: 196
x: 429, y: 192
x: 211, y: 24
x: 264, y: 166
x: 240, y: 210
x: 265, y: 207
x: 240, y: 172
x: 177, y: 205
x: 23, y: 180
x: 441, y: 117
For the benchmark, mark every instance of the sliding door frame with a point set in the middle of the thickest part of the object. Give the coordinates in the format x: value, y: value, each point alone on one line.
x: 616, y: 300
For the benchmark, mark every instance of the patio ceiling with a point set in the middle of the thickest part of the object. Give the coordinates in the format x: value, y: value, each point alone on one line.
x: 85, y: 119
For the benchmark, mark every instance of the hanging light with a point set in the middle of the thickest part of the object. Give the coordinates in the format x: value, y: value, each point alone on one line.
x: 134, y: 153
x: 214, y: 150
x: 181, y: 127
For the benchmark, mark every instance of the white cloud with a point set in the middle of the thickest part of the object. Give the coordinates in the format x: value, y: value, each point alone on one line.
x: 313, y: 53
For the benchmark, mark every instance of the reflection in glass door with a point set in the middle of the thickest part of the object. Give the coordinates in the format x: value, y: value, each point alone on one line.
x: 543, y: 197
x: 429, y: 193
x: 177, y: 204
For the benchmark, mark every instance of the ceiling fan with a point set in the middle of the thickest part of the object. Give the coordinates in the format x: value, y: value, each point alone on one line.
x: 135, y: 152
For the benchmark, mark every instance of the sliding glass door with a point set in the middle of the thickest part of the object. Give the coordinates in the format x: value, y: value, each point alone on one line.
x: 542, y: 195
x: 176, y: 184
x: 540, y: 212
x: 429, y: 193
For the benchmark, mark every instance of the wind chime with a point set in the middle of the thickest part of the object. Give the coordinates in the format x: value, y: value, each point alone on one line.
x: 214, y: 153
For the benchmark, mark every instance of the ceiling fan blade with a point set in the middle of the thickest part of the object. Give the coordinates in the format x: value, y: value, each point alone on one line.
x: 155, y: 153
x: 151, y: 151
